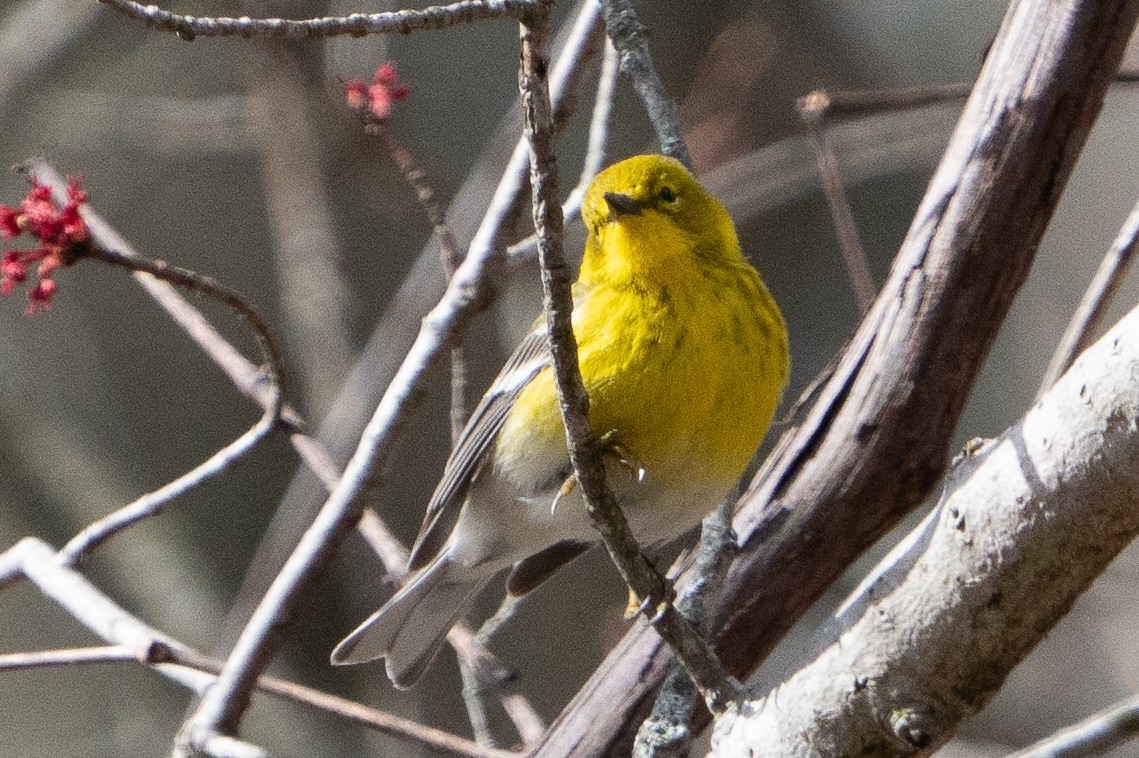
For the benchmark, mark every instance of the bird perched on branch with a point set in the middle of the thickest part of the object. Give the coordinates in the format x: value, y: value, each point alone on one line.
x: 684, y: 355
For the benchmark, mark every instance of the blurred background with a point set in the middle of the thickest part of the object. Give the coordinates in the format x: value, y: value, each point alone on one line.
x: 239, y: 159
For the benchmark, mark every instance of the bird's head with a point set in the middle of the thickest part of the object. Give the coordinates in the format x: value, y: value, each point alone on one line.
x: 652, y: 211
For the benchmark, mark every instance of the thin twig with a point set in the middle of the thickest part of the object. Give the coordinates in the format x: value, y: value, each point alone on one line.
x: 811, y: 110
x: 1093, y: 307
x: 356, y: 24
x: 598, y: 132
x: 665, y: 732
x: 153, y: 503
x: 1097, y: 735
x: 372, y: 718
x: 632, y: 44
x: 474, y: 700
x: 450, y: 256
x: 836, y: 105
x: 133, y: 641
x: 75, y: 656
x: 585, y: 454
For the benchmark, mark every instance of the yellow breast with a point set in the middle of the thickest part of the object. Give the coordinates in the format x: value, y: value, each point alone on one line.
x: 688, y: 378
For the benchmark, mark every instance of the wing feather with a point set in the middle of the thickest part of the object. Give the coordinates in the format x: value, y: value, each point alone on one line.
x: 530, y: 357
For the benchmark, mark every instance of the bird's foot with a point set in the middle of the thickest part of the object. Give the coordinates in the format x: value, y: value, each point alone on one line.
x: 611, y: 443
x: 649, y: 606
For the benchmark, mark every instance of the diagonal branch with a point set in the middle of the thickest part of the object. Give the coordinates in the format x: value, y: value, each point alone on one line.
x: 875, y: 442
x: 631, y: 41
x: 1036, y: 516
x: 1109, y: 729
x: 131, y: 640
x: 1093, y: 306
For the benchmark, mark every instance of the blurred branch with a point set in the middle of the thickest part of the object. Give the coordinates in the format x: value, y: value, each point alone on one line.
x: 71, y: 657
x: 356, y: 24
x: 811, y: 109
x: 33, y: 35
x: 102, y: 248
x: 449, y: 257
x: 1111, y: 728
x: 874, y: 443
x: 1045, y: 509
x: 598, y: 133
x: 134, y: 641
x: 307, y: 248
x: 1093, y: 307
x: 632, y: 44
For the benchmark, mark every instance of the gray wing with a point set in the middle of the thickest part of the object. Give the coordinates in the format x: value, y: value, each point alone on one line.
x: 530, y: 357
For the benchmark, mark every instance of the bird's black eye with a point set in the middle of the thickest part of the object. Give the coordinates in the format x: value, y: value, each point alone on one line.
x: 667, y: 194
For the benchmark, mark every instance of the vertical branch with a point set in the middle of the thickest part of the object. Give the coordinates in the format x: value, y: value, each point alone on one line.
x: 585, y: 454
x: 665, y: 732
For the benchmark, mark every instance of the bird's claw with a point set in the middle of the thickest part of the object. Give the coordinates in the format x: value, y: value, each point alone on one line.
x: 567, y: 488
x: 641, y: 606
x: 611, y: 443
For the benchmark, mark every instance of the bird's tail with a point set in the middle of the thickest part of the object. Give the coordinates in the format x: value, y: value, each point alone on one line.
x: 409, y: 630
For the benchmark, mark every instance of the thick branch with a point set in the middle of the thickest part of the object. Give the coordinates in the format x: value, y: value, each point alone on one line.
x: 875, y: 441
x: 1049, y: 505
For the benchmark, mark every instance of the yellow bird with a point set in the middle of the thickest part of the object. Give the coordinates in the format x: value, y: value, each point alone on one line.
x: 684, y: 355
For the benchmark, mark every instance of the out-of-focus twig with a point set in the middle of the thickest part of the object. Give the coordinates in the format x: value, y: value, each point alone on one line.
x: 449, y: 257
x: 307, y: 248
x: 811, y: 110
x: 631, y: 41
x: 70, y: 657
x: 1097, y: 735
x: 1092, y: 308
x: 356, y: 24
x: 598, y: 132
x: 133, y: 641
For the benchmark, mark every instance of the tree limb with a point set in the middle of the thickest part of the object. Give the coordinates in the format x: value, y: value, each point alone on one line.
x: 873, y: 445
x: 1050, y: 504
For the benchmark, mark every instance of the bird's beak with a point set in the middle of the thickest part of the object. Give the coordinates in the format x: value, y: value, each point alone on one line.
x: 621, y: 205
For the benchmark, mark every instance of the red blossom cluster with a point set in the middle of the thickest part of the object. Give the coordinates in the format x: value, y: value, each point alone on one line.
x: 58, y: 230
x: 377, y: 98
